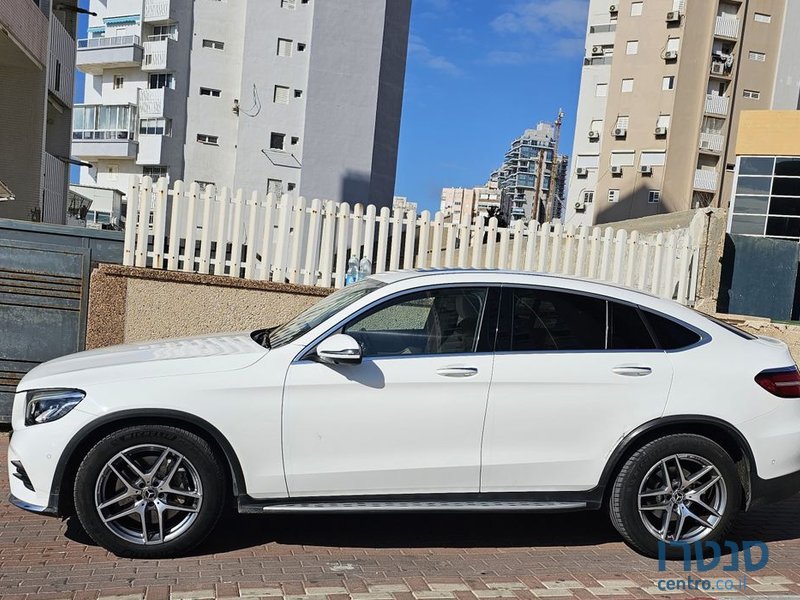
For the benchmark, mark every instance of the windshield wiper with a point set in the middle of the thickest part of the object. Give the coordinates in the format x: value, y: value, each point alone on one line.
x: 261, y: 336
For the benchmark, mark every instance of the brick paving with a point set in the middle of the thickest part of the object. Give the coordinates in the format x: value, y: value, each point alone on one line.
x: 375, y: 557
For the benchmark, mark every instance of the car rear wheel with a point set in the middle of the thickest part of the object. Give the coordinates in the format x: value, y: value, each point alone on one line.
x: 149, y: 491
x: 680, y: 488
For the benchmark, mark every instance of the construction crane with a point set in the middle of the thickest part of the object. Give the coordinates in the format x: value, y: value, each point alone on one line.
x: 549, y: 205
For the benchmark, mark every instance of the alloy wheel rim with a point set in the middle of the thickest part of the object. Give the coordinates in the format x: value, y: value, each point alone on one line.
x: 148, y: 494
x: 682, y: 498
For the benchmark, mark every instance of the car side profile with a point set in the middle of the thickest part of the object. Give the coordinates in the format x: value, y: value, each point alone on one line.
x: 437, y: 390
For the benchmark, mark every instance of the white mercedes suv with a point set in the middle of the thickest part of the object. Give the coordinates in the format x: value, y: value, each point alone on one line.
x: 419, y: 391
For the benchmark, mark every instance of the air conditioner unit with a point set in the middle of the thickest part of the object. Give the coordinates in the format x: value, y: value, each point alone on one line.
x: 616, y: 170
x: 594, y: 136
x: 597, y: 50
x: 674, y: 16
x: 661, y: 131
x: 613, y: 9
x: 671, y: 55
x: 581, y: 171
x: 580, y: 206
x: 718, y: 68
x: 646, y: 170
x: 620, y: 132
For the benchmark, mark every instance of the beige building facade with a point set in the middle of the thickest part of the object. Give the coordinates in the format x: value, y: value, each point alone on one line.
x: 461, y: 205
x: 663, y: 85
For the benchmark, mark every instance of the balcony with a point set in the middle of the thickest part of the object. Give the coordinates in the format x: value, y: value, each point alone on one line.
x: 61, y: 74
x: 158, y: 11
x: 712, y: 142
x: 716, y: 105
x: 705, y: 180
x: 151, y: 149
x: 104, y: 131
x: 27, y: 26
x: 157, y: 55
x: 97, y: 54
x: 157, y: 103
x: 727, y: 27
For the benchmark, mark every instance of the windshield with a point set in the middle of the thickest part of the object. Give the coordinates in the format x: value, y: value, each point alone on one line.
x: 321, y: 311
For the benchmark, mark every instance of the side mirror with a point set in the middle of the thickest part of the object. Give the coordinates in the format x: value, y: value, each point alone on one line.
x: 339, y: 349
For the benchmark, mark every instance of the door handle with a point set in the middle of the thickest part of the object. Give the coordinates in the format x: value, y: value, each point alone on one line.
x: 457, y: 371
x: 632, y: 371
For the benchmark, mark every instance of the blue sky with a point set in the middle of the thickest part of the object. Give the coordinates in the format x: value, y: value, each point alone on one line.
x: 479, y: 72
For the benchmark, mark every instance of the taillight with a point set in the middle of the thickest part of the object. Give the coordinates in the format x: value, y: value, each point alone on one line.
x: 784, y: 383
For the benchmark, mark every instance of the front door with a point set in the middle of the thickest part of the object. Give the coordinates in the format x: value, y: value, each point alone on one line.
x: 409, y: 418
x: 573, y: 374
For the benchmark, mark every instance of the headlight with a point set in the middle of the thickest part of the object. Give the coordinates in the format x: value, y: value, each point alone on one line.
x: 43, y: 406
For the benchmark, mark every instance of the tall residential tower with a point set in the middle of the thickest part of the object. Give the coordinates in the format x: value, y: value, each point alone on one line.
x: 266, y: 95
x: 662, y: 87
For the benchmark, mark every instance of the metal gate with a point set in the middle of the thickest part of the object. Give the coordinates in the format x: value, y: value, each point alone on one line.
x: 43, y: 301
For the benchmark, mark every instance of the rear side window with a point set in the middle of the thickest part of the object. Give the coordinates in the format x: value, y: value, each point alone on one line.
x: 669, y: 334
x: 628, y: 329
x: 545, y: 320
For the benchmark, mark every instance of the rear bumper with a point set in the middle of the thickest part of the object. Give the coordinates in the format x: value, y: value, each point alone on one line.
x: 766, y: 491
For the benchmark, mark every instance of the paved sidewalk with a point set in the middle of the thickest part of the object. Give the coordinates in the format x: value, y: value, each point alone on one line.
x: 375, y: 557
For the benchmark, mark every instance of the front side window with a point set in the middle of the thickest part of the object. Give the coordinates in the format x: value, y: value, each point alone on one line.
x: 547, y: 320
x: 443, y: 321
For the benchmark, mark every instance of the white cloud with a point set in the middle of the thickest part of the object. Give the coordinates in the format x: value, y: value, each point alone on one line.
x: 419, y: 51
x: 543, y: 16
x: 499, y: 57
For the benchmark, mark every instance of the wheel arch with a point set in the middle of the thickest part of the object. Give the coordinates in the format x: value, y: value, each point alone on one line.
x: 60, y: 501
x: 715, y: 429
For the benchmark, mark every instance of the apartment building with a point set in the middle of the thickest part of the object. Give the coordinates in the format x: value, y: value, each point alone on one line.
x: 282, y: 96
x: 531, y: 166
x: 37, y: 65
x: 662, y: 88
x: 459, y: 205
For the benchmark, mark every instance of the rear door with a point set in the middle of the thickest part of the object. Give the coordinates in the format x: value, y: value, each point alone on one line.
x: 573, y: 373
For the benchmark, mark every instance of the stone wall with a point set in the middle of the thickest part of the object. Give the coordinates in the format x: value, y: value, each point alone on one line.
x: 128, y: 304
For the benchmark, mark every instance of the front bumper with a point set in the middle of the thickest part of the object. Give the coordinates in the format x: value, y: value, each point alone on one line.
x: 34, y: 508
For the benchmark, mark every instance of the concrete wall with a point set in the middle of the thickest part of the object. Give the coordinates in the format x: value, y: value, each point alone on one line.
x: 128, y: 304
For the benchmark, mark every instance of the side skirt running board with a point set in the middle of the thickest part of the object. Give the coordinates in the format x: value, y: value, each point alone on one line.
x: 249, y: 505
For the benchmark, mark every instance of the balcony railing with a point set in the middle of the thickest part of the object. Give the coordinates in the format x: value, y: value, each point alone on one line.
x: 109, y: 42
x: 705, y: 180
x: 727, y: 27
x: 156, y: 10
x: 713, y: 142
x: 156, y: 54
x: 716, y: 105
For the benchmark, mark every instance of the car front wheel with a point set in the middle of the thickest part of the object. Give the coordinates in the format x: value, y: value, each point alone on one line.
x: 677, y: 489
x: 149, y: 491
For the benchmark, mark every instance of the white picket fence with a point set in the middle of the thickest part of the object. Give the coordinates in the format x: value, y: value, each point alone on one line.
x: 295, y: 241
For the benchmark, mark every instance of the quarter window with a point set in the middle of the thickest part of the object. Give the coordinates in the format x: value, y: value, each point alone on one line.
x: 669, y: 334
x: 628, y: 330
x: 443, y: 321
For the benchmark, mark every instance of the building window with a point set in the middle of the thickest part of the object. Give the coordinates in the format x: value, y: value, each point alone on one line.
x: 155, y: 127
x: 284, y: 47
x: 274, y: 186
x: 632, y: 47
x: 668, y: 83
x: 613, y: 195
x: 588, y: 196
x: 277, y: 141
x: 213, y: 44
x: 156, y: 81
x: 673, y: 44
x: 204, y: 91
x: 295, y: 140
x: 281, y: 95
x: 623, y: 121
x: 290, y: 187
x: 636, y: 9
x: 653, y: 158
x: 766, y: 197
x: 653, y: 197
x: 298, y: 93
x: 204, y: 138
x: 627, y: 86
x: 663, y: 121
x: 118, y: 81
x: 752, y: 94
x: 290, y: 4
x: 624, y: 158
x: 601, y: 91
x: 762, y: 18
x: 163, y: 32
x: 154, y: 171
x: 757, y: 56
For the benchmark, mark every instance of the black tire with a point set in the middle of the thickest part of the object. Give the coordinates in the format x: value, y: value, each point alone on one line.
x: 197, y: 505
x: 645, y: 463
